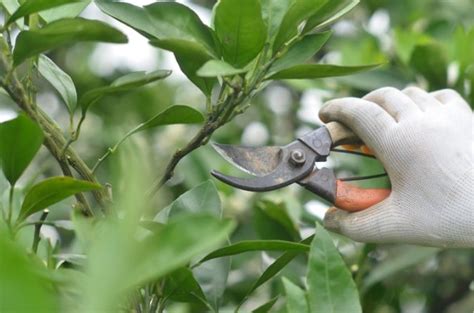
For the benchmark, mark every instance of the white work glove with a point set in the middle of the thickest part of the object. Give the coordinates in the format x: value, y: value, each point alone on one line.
x: 425, y: 142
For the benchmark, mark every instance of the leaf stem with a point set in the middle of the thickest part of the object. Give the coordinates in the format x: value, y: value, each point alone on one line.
x: 10, y: 204
x: 36, y: 236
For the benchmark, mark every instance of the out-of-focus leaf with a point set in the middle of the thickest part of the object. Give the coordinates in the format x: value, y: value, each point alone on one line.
x: 308, y: 71
x: 51, y: 191
x: 65, y: 11
x: 117, y: 250
x: 463, y: 47
x: 301, y: 51
x: 124, y: 83
x: 130, y: 15
x: 60, y: 80
x: 190, y: 57
x: 182, y: 286
x: 264, y: 308
x: 298, y: 12
x: 65, y: 31
x: 406, y: 257
x: 240, y: 28
x: 273, y: 13
x: 33, y: 6
x: 20, y: 140
x: 183, y: 238
x: 11, y: 6
x: 202, y: 198
x: 329, y: 13
x: 272, y: 221
x: 430, y: 60
x: 405, y: 42
x: 256, y: 245
x: 20, y: 277
x: 213, y: 68
x: 295, y: 297
x: 330, y: 284
x: 212, y: 275
x: 276, y: 267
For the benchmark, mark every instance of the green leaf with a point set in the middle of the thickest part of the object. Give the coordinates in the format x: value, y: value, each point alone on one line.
x: 202, y: 198
x: 65, y: 31
x: 212, y: 275
x: 65, y: 11
x: 240, y: 29
x: 61, y: 81
x: 124, y: 83
x: 130, y: 15
x: 298, y: 12
x: 11, y: 6
x: 176, y: 114
x: 264, y: 308
x: 51, y: 191
x: 190, y: 57
x: 176, y: 21
x: 309, y: 71
x: 33, y: 6
x: 256, y: 245
x: 172, y: 247
x: 20, y: 277
x: 430, y: 60
x: 20, y: 140
x: 301, y: 51
x: 295, y: 297
x: 272, y: 221
x: 405, y: 42
x: 173, y: 27
x: 402, y: 259
x: 276, y: 267
x: 213, y: 68
x: 330, y: 284
x: 329, y: 13
x: 182, y: 286
x: 273, y: 13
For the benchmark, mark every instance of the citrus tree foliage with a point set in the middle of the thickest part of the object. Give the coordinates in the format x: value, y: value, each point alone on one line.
x: 129, y: 250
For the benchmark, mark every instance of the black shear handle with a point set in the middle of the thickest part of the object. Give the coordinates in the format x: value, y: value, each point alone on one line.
x: 341, y: 135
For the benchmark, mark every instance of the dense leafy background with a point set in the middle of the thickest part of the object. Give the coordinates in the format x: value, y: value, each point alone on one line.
x: 428, y: 43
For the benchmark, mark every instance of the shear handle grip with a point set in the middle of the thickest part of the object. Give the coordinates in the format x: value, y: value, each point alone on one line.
x: 341, y: 135
x: 352, y: 198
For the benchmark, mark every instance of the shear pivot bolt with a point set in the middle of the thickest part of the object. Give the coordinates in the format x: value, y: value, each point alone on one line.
x: 297, y: 157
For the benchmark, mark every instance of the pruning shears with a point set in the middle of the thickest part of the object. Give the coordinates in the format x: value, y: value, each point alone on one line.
x: 275, y: 167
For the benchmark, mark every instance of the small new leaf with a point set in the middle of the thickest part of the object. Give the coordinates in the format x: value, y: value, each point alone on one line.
x: 20, y: 140
x: 295, y: 297
x: 214, y: 68
x: 65, y: 31
x: 51, y: 191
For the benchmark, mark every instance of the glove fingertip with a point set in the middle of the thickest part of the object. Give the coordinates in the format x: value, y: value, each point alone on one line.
x: 334, y: 218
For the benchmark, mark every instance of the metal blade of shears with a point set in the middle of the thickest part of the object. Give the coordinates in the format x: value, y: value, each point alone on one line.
x: 275, y: 167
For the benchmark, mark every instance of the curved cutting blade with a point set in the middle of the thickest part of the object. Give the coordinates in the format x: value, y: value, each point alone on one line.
x: 258, y: 161
x: 275, y: 176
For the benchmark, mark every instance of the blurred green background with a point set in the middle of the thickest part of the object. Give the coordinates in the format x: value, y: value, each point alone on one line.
x: 427, y: 43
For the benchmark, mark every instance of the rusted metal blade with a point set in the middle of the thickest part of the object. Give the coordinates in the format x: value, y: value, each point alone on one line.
x: 258, y: 161
x: 281, y: 174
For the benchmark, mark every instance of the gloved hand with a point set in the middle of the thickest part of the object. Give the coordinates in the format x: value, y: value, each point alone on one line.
x: 425, y: 142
